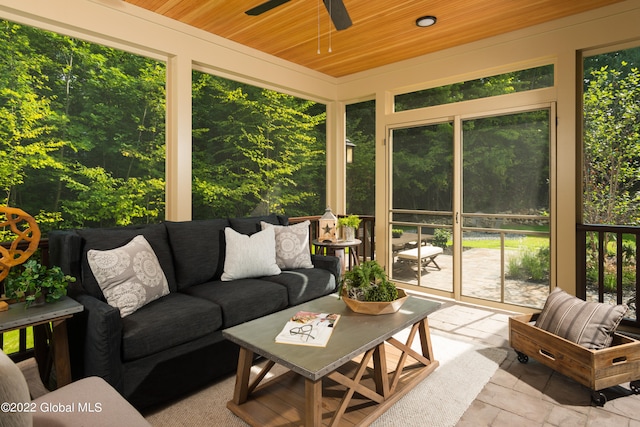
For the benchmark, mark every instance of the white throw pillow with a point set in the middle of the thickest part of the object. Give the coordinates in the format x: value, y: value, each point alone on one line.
x: 292, y: 245
x: 249, y: 256
x: 129, y: 276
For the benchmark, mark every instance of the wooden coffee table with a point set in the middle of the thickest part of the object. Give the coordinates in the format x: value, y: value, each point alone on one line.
x: 361, y: 372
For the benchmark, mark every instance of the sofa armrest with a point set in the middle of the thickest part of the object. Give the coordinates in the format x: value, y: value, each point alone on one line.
x: 102, y: 341
x: 65, y: 249
x: 92, y: 401
x: 328, y: 262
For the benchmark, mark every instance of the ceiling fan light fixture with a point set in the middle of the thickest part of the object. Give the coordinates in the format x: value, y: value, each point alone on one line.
x: 426, y: 21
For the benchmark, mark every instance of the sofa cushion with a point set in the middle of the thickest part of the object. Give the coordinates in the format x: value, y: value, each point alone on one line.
x: 305, y: 284
x: 13, y: 389
x: 130, y: 276
x: 110, y: 238
x: 292, y: 245
x: 251, y: 224
x: 198, y: 250
x: 166, y: 323
x: 249, y: 256
x: 589, y: 324
x: 242, y: 300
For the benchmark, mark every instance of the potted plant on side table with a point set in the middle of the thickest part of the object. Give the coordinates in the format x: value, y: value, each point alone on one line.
x: 37, y: 284
x: 349, y: 225
x: 366, y: 289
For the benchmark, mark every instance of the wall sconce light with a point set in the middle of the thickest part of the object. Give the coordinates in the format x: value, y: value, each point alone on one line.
x: 349, y: 153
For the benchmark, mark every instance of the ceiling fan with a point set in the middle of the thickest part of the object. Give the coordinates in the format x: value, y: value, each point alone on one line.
x: 337, y: 11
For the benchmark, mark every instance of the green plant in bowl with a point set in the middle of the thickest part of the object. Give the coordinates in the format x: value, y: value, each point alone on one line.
x: 368, y: 282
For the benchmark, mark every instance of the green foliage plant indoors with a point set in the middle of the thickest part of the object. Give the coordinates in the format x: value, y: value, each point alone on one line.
x: 368, y: 282
x: 349, y: 221
x: 37, y: 281
x: 349, y: 225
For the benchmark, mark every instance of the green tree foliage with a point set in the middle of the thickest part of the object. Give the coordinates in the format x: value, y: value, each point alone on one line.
x: 611, y: 166
x: 501, y: 84
x: 255, y: 151
x: 82, y: 130
x: 27, y: 120
x: 82, y: 138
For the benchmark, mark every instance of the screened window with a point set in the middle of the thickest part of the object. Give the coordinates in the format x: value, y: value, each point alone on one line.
x: 360, y: 186
x: 502, y: 84
x: 611, y: 148
x: 255, y: 151
x: 82, y: 134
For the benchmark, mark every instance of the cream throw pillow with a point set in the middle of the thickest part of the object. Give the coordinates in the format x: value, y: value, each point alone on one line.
x: 292, y: 245
x: 130, y: 276
x: 249, y: 256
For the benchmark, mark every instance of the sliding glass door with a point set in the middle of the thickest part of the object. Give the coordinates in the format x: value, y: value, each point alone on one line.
x: 470, y: 203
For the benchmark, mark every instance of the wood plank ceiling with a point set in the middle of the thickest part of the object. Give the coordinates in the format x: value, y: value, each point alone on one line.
x: 383, y: 31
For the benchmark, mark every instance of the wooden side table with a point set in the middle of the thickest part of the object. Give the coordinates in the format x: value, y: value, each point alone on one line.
x: 338, y: 249
x: 49, y: 324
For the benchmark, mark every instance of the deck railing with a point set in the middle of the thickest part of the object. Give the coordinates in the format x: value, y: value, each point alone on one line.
x: 365, y: 233
x: 606, y: 266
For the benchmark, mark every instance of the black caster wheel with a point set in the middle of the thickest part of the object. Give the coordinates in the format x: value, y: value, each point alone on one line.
x: 598, y: 398
x: 635, y: 386
x: 522, y: 358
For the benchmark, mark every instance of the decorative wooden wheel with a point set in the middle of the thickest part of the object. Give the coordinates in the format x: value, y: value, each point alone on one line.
x: 26, y: 229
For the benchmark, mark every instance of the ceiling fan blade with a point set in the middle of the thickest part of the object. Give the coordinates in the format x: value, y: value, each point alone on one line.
x: 265, y: 7
x: 338, y: 13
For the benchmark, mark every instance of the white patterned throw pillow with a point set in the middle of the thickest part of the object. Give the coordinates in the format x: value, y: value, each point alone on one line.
x: 292, y: 245
x: 249, y: 256
x: 129, y: 276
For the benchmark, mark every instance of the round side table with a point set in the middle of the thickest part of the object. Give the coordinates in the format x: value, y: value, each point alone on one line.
x: 338, y: 249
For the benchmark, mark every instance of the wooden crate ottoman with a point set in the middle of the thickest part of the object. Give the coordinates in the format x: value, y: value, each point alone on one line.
x: 595, y: 369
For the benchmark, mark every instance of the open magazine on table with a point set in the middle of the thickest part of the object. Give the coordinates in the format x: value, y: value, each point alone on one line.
x: 308, y: 328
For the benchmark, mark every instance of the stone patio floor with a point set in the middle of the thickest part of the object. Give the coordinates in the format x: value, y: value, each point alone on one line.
x: 528, y: 394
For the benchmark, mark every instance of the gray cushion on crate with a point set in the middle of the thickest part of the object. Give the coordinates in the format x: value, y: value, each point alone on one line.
x: 243, y: 299
x: 110, y: 238
x: 589, y: 324
x: 305, y: 284
x: 173, y: 320
x: 198, y: 250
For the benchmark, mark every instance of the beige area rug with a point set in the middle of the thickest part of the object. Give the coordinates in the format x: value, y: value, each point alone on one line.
x: 439, y: 400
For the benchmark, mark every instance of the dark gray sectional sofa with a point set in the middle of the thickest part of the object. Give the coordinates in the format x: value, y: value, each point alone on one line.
x: 174, y: 344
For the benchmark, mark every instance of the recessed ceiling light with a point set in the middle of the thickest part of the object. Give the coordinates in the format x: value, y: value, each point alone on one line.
x: 426, y: 21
